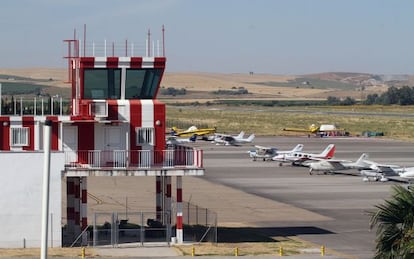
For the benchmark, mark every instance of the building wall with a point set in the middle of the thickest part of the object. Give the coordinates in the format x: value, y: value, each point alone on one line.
x: 21, y: 198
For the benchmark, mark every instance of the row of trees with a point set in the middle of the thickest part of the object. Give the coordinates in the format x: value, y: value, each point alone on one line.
x: 394, y: 95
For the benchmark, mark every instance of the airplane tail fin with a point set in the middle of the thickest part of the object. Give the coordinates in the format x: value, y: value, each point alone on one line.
x: 298, y: 148
x: 329, y: 151
x: 361, y: 158
x: 250, y: 138
x: 241, y: 135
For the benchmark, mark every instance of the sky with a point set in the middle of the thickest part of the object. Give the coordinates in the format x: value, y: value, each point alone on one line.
x: 289, y: 37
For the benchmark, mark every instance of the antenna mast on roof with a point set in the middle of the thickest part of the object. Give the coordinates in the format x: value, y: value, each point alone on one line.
x: 163, y: 41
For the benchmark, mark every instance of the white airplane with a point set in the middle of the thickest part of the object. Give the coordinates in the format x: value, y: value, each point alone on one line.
x: 298, y: 157
x: 261, y: 152
x: 407, y: 174
x: 174, y: 140
x: 267, y: 153
x: 218, y: 136
x: 370, y: 170
x: 378, y: 172
x: 333, y: 165
x: 228, y: 140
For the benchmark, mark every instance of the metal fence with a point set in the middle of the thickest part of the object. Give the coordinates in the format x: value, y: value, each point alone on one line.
x: 135, y: 227
x: 200, y: 224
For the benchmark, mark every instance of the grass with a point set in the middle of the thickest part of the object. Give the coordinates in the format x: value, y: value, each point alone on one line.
x: 271, y: 121
x: 75, y: 252
x: 279, y: 246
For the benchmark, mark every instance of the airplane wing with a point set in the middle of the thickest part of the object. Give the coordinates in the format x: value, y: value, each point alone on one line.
x: 262, y: 147
x: 335, y: 164
x: 297, y: 130
x: 386, y: 168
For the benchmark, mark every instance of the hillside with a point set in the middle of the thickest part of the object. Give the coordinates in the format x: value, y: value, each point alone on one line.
x: 209, y: 86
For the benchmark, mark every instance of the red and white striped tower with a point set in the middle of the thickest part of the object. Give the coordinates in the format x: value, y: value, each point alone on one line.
x: 84, y: 209
x: 158, y: 197
x: 167, y: 204
x: 179, y: 220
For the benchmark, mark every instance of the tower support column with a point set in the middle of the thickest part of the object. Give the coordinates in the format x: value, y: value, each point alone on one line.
x: 84, y: 209
x: 158, y: 197
x: 179, y: 220
x: 167, y: 203
x: 73, y: 208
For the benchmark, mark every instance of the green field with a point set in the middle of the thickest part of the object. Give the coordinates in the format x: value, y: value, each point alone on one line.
x: 396, y: 122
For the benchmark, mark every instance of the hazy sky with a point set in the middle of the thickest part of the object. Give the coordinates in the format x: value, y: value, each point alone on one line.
x: 227, y: 36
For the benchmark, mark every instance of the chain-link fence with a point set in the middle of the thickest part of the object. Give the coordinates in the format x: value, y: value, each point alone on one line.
x: 135, y: 227
x: 200, y: 224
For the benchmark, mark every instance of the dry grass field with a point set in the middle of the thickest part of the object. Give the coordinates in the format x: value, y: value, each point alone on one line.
x: 262, y: 120
x: 200, y: 85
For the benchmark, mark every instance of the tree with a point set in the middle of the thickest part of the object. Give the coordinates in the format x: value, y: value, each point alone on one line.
x: 332, y: 100
x: 371, y: 99
x: 395, y: 221
x: 348, y: 101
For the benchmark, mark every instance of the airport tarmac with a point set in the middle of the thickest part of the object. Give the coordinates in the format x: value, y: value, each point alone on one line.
x: 341, y: 200
x: 329, y: 210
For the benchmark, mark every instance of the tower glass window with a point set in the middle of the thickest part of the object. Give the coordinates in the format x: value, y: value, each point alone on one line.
x: 142, y: 83
x: 102, y: 83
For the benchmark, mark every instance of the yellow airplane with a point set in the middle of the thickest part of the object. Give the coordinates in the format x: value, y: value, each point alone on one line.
x: 320, y: 130
x: 312, y: 129
x: 191, y: 131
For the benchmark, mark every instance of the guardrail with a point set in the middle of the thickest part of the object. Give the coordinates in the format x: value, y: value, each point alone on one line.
x: 35, y: 106
x: 184, y: 157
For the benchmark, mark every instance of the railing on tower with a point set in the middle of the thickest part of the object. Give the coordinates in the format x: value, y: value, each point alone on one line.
x: 37, y: 106
x: 186, y: 157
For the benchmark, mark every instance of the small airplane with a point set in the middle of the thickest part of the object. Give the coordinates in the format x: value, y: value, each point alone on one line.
x: 191, y: 131
x: 219, y: 136
x: 261, y: 152
x: 312, y: 129
x: 322, y: 130
x: 266, y: 153
x: 333, y: 165
x: 299, y: 157
x: 407, y: 174
x: 173, y: 140
x: 367, y: 168
x: 238, y: 140
x: 377, y: 171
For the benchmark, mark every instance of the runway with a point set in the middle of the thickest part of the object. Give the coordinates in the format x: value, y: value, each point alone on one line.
x: 341, y: 201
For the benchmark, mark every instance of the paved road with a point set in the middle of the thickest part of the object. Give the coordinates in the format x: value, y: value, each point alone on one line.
x: 343, y: 199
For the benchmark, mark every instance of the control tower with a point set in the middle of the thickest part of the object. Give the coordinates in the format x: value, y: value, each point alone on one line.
x: 113, y: 125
